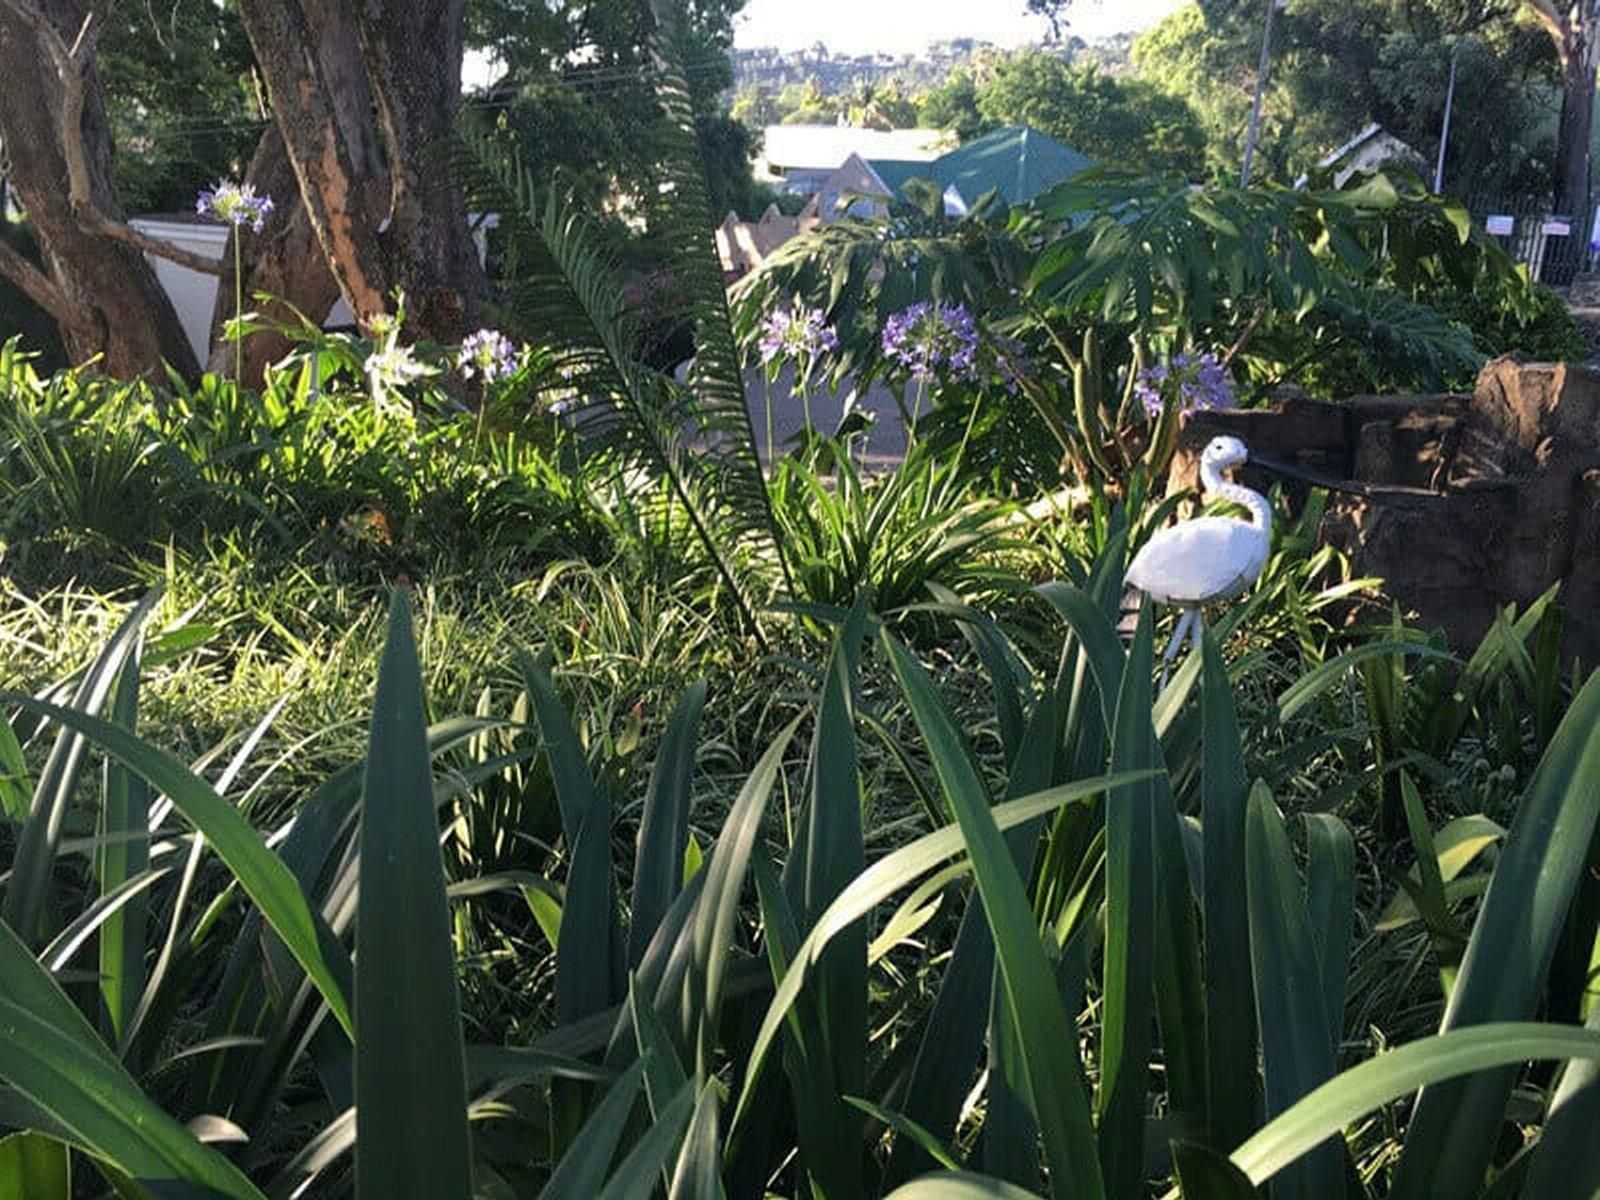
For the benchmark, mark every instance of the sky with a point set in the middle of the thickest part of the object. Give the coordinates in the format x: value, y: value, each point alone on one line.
x: 906, y: 26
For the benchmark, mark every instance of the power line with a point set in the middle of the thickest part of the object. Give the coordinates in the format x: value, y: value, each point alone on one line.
x: 596, y: 80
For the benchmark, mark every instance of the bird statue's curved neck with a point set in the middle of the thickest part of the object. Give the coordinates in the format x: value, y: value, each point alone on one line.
x: 1252, y: 502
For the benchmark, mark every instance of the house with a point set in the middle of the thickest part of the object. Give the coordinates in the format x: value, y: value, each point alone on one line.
x: 194, y: 295
x: 1016, y: 162
x: 744, y: 245
x: 1370, y: 150
x: 798, y: 158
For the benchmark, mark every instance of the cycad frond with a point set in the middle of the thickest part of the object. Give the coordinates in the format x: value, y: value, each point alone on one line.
x: 567, y: 289
x: 683, y: 215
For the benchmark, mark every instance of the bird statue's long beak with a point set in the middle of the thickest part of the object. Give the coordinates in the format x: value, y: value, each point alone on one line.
x: 1315, y: 479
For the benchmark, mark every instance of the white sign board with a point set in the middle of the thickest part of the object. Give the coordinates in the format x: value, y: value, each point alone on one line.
x: 1500, y: 226
x: 1556, y: 227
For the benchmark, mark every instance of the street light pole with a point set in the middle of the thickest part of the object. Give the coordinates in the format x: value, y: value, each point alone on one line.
x: 1444, y: 132
x: 1253, y: 132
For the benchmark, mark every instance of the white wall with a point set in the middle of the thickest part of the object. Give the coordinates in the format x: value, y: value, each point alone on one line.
x: 193, y: 293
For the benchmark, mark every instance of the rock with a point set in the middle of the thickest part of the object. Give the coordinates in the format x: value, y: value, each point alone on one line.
x: 1461, y: 504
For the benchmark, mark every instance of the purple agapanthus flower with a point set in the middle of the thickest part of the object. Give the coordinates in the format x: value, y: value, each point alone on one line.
x: 933, y: 340
x: 234, y: 204
x: 1194, y: 381
x: 797, y: 334
x: 488, y: 355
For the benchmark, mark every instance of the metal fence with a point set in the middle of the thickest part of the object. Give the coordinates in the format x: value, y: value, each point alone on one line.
x: 1556, y: 246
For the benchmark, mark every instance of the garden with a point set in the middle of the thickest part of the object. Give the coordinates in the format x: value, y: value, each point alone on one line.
x: 496, y: 766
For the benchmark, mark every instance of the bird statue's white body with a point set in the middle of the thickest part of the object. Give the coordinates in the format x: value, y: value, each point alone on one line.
x: 1207, y: 559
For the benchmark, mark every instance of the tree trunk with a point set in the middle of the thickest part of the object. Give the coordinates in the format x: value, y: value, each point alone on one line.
x: 413, y: 50
x: 284, y: 261
x: 362, y: 95
x: 102, y: 293
x: 1577, y: 121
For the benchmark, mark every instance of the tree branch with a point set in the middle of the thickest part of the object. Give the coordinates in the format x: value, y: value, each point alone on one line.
x: 1547, y: 15
x: 35, y: 284
x: 119, y: 231
x: 71, y: 62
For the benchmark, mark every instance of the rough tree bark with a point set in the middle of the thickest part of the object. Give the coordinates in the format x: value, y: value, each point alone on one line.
x: 412, y: 50
x: 1571, y: 26
x: 95, y: 281
x: 287, y: 259
x: 362, y: 96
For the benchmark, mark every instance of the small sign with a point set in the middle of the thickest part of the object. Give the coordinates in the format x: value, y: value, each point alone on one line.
x: 1500, y: 225
x: 1556, y: 227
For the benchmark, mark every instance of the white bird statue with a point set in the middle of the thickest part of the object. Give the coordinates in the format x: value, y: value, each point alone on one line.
x: 1195, y: 562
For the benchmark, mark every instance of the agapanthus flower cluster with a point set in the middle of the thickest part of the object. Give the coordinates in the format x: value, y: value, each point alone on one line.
x: 235, y: 204
x: 796, y: 334
x: 933, y: 341
x: 1195, y: 381
x: 488, y: 355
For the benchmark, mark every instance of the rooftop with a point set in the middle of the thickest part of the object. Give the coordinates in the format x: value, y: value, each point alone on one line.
x: 824, y: 147
x: 1017, y: 161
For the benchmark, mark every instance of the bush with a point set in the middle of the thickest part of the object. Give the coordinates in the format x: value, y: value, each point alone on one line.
x: 1134, y: 900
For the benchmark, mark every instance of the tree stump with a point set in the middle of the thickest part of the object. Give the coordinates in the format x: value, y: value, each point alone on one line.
x: 1461, y: 504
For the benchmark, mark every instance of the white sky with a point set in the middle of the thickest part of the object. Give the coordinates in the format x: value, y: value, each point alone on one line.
x: 906, y: 26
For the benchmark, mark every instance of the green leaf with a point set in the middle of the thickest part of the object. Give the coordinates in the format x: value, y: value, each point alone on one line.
x: 833, y: 854
x: 697, y: 1175
x: 14, y: 799
x: 951, y: 1039
x: 1320, y: 678
x: 1054, y: 1071
x: 1233, y: 1083
x: 664, y: 1075
x: 637, y: 1175
x: 824, y: 1124
x: 664, y: 824
x: 589, y: 947
x: 1566, y: 1158
x: 1456, y: 845
x: 50, y: 1055
x: 1330, y: 910
x: 906, y: 1127
x: 1206, y: 1175
x: 36, y: 845
x: 1508, y: 957
x: 1290, y: 997
x: 959, y: 1185
x: 125, y: 854
x: 575, y: 788
x: 1127, y: 1010
x: 708, y: 940
x: 34, y: 1167
x: 888, y: 875
x: 410, y: 1072
x: 1427, y: 1061
x: 264, y: 877
x: 582, y: 1168
x: 1179, y: 976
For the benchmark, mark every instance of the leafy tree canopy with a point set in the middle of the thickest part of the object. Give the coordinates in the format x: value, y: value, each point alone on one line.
x: 1123, y: 123
x: 1339, y: 64
x: 184, y: 103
